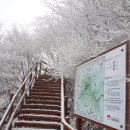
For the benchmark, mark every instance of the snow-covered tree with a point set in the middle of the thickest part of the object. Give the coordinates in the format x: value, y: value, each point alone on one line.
x: 78, y: 30
x: 17, y: 52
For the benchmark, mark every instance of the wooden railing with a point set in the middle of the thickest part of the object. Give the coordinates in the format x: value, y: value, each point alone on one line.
x: 13, y: 109
x: 65, y: 124
x: 21, y: 93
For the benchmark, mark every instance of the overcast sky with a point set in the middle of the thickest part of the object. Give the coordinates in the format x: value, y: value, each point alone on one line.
x: 20, y: 11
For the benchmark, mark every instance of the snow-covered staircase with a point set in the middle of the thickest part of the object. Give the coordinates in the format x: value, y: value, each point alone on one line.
x: 42, y: 107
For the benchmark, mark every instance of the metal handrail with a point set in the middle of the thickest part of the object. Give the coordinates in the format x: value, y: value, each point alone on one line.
x: 16, y: 94
x: 63, y: 106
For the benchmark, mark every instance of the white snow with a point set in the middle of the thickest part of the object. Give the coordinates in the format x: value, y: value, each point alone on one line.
x: 3, y: 103
x: 40, y: 115
x: 40, y: 122
x: 41, y: 110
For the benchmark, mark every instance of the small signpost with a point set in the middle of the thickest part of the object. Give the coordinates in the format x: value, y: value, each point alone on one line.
x: 102, y: 95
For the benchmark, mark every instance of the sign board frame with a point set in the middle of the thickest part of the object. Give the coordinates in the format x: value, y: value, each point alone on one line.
x: 127, y: 115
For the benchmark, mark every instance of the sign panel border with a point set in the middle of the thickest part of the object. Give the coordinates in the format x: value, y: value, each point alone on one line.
x: 127, y: 43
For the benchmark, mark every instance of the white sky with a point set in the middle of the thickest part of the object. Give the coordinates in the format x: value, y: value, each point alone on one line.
x: 20, y: 11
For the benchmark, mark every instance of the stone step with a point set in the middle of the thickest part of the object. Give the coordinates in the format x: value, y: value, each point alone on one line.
x: 39, y: 111
x: 39, y: 118
x: 47, y: 87
x: 48, y: 82
x: 45, y: 90
x: 32, y: 124
x: 39, y: 106
x: 31, y: 101
x: 44, y: 94
x: 44, y: 98
x: 31, y: 129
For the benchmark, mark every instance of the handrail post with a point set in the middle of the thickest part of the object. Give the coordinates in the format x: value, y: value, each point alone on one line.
x: 11, y: 110
x: 36, y: 71
x: 30, y: 78
x: 78, y: 123
x: 40, y: 68
x: 63, y: 120
x: 65, y: 97
x: 67, y: 120
x: 65, y: 128
x: 64, y: 86
x: 65, y: 104
x: 23, y: 89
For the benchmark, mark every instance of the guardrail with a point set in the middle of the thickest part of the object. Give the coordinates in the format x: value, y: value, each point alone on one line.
x: 21, y: 93
x: 65, y: 124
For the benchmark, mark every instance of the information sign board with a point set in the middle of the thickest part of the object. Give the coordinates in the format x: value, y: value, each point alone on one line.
x: 100, y: 89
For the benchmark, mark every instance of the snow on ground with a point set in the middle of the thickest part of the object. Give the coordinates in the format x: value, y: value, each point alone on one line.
x: 42, y: 115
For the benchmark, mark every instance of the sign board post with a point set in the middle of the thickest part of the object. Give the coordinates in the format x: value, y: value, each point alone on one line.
x: 102, y: 94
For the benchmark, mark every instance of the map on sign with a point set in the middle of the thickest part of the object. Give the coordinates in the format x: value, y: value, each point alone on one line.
x: 90, y: 90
